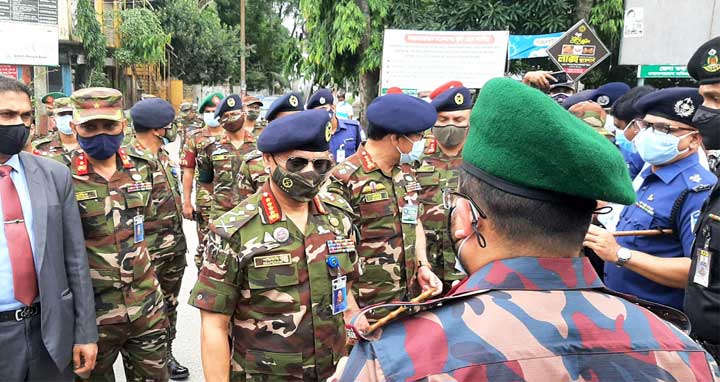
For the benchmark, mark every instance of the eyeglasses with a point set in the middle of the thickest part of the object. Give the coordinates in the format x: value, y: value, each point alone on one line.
x: 297, y: 164
x: 450, y: 198
x: 662, y: 127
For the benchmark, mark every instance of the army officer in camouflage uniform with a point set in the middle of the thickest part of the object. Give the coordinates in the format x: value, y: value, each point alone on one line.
x: 381, y: 187
x: 279, y: 266
x: 63, y: 139
x: 115, y: 192
x: 440, y: 169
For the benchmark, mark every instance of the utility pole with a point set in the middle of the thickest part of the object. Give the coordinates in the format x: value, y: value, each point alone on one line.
x: 243, y: 83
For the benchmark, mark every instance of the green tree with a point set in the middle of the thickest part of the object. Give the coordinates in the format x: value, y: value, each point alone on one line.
x: 93, y: 40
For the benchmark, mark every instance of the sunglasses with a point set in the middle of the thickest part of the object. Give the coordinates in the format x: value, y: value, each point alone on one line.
x: 658, y: 126
x: 297, y: 164
x: 450, y: 199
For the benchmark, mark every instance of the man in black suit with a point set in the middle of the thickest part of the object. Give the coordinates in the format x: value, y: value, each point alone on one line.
x: 47, y: 312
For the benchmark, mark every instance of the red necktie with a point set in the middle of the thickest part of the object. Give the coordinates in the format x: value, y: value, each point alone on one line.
x: 18, y: 241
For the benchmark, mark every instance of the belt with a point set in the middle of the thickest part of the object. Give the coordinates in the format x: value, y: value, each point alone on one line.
x: 20, y: 314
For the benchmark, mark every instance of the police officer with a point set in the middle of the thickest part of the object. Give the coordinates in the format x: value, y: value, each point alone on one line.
x: 531, y: 309
x: 154, y: 128
x: 380, y: 185
x: 702, y: 295
x: 203, y: 193
x: 347, y: 134
x: 218, y: 162
x: 624, y: 115
x: 253, y: 170
x: 673, y: 190
x: 438, y: 170
x: 279, y: 267
x: 115, y: 190
x: 63, y: 139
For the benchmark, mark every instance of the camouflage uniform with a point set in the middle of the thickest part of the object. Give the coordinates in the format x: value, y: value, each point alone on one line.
x: 532, y: 319
x: 437, y: 172
x: 196, y: 140
x: 253, y: 174
x: 49, y: 144
x: 128, y: 298
x: 387, y: 246
x: 163, y: 231
x: 274, y: 282
x: 218, y: 163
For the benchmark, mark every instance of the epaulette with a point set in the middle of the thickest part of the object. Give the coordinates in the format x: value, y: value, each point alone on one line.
x: 335, y: 200
x: 252, y: 155
x: 136, y: 150
x: 270, y: 208
x: 193, y: 133
x: 231, y: 221
x: 431, y: 146
x: 43, y: 140
x: 701, y: 188
x: 80, y: 163
x: 344, y: 170
x: 125, y: 159
x: 350, y: 122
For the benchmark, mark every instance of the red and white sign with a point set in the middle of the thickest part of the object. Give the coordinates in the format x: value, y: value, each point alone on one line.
x: 9, y: 71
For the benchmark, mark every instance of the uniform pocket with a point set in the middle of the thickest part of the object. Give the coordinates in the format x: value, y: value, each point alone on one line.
x: 274, y: 289
x: 377, y: 219
x: 94, y: 222
x: 271, y: 363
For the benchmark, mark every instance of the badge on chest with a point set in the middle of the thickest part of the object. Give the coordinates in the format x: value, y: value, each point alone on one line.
x: 86, y: 195
x: 272, y: 260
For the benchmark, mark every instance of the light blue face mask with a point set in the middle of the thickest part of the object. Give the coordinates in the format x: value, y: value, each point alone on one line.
x: 414, y: 155
x: 658, y: 148
x: 210, y: 120
x: 623, y: 143
x: 63, y: 124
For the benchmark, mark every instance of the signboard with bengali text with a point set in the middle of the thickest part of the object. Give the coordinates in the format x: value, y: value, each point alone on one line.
x: 578, y: 50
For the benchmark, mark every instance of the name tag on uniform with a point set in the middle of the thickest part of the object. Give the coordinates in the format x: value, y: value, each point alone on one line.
x: 340, y: 246
x: 376, y: 196
x: 339, y: 295
x: 413, y: 186
x: 222, y: 157
x: 409, y: 214
x: 272, y: 260
x: 702, y: 267
x: 86, y: 195
x: 140, y: 186
x: 426, y: 169
x: 340, y: 155
x: 139, y: 228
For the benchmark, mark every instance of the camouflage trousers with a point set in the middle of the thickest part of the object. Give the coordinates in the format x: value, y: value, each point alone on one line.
x: 202, y: 231
x: 169, y: 271
x: 142, y: 344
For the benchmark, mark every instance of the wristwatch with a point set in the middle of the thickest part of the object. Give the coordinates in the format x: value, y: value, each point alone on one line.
x: 423, y: 264
x: 624, y: 256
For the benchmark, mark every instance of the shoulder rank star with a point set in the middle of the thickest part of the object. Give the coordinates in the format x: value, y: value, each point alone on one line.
x: 696, y: 178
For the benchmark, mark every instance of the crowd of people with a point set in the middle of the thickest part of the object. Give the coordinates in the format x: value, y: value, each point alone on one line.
x: 520, y: 232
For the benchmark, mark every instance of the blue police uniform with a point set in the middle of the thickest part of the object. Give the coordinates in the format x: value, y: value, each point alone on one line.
x: 634, y: 162
x: 656, y: 198
x: 346, y: 140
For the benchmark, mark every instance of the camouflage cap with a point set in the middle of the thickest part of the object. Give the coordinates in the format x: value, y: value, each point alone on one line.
x: 97, y: 103
x: 62, y: 105
x: 591, y: 113
x: 186, y: 106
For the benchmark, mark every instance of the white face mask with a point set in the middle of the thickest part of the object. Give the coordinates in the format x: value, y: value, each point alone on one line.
x: 63, y: 124
x: 210, y: 120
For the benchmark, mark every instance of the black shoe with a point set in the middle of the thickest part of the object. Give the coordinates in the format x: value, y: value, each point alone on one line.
x: 177, y: 371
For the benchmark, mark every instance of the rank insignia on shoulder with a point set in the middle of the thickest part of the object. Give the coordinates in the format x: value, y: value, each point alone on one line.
x: 376, y: 196
x: 272, y: 260
x: 701, y: 188
x: 431, y: 146
x: 140, y: 186
x: 86, y: 195
x: 695, y: 178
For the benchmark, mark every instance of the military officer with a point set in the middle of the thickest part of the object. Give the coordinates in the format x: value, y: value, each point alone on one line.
x: 187, y: 120
x: 347, y: 133
x: 251, y: 106
x: 673, y: 189
x: 45, y: 124
x: 218, y: 161
x: 702, y: 295
x: 379, y: 184
x: 115, y: 191
x: 154, y: 128
x: 203, y: 193
x: 593, y: 114
x: 279, y: 267
x: 63, y: 139
x: 531, y: 309
x: 253, y: 171
x: 438, y: 170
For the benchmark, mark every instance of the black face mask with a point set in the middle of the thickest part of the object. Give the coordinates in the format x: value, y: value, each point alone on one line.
x: 301, y: 187
x: 707, y: 120
x: 13, y: 138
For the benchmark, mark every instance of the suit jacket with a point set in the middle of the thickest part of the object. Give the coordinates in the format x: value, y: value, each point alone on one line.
x: 66, y: 295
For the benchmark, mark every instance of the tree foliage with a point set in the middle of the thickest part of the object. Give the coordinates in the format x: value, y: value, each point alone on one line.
x: 142, y: 38
x: 205, y: 51
x: 88, y: 30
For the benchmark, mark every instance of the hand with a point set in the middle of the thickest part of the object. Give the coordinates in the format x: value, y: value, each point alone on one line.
x: 339, y: 370
x: 428, y: 280
x: 188, y: 210
x: 539, y: 79
x: 84, y: 358
x: 361, y: 324
x: 603, y: 243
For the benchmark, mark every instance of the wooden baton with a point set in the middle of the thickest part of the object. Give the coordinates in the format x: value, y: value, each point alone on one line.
x: 422, y: 297
x: 644, y: 232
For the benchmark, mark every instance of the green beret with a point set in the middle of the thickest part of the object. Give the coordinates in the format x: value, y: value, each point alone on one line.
x: 51, y: 97
x: 522, y: 142
x: 212, y: 99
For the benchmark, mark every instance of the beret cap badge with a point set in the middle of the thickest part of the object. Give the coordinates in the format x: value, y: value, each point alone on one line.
x: 328, y: 132
x: 322, y: 100
x: 684, y: 107
x: 293, y: 101
x: 459, y: 99
x: 713, y: 62
x: 231, y: 102
x: 603, y: 100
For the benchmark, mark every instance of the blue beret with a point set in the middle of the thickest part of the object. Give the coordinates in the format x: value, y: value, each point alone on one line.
x: 453, y: 99
x: 585, y: 95
x: 152, y: 113
x: 677, y: 104
x: 704, y: 65
x: 321, y: 97
x: 607, y: 94
x: 308, y: 130
x: 230, y: 103
x: 401, y: 114
x: 289, y: 102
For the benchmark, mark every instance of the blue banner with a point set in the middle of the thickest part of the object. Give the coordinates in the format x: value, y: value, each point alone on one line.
x: 530, y: 46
